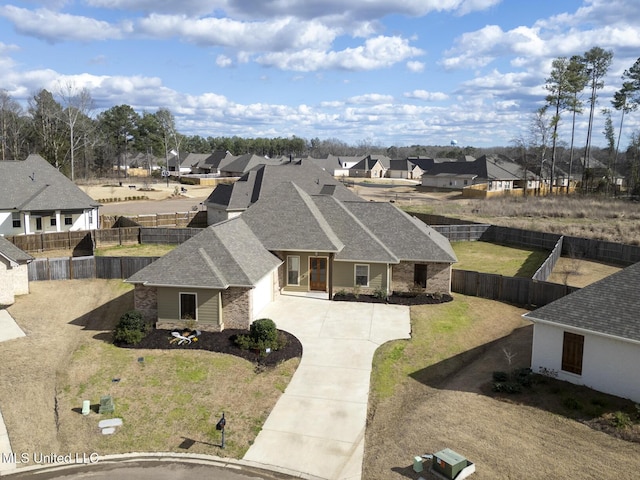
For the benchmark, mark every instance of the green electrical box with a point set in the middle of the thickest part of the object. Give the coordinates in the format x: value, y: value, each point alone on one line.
x: 449, y: 463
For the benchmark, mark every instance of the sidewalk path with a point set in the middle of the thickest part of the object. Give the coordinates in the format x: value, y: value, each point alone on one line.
x: 9, y: 330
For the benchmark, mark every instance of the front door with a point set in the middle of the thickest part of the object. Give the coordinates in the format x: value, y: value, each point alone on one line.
x: 318, y: 273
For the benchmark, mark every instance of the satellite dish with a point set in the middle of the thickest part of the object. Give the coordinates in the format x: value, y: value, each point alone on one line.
x: 454, y: 143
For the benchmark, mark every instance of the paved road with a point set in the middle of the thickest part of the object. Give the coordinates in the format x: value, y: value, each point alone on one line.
x: 153, y: 469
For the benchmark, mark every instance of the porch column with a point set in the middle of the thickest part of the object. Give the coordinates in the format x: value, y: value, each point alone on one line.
x: 58, y: 222
x: 330, y: 266
x: 27, y: 223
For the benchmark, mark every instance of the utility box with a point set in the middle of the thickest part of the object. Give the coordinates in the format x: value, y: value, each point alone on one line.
x: 448, y: 463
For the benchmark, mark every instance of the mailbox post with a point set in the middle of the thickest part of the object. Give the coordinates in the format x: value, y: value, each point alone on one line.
x: 220, y: 426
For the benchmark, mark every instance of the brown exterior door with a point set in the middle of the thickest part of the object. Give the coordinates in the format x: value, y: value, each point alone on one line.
x: 318, y: 273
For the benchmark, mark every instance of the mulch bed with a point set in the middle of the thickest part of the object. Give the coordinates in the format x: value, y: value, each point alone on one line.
x: 222, y: 342
x: 395, y: 298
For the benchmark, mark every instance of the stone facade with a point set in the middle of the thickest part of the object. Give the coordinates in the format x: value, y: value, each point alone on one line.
x: 236, y: 308
x: 145, y: 299
x: 438, y: 278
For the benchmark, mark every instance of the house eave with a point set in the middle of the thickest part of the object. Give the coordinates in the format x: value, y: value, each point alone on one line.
x: 580, y: 330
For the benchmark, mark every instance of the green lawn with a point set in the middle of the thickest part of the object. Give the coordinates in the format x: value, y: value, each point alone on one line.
x: 499, y: 259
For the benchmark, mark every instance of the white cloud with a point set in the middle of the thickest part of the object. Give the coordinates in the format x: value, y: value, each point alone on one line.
x: 56, y: 27
x: 223, y: 61
x: 378, y: 52
x: 428, y: 96
x: 415, y: 66
x: 371, y: 98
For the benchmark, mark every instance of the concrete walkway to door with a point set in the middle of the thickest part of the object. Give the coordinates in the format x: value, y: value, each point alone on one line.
x: 317, y: 427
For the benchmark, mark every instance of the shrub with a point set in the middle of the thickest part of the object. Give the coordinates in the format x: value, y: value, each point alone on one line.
x: 131, y: 328
x: 263, y: 334
x: 620, y: 420
x: 507, y: 387
x: 500, y: 376
x: 380, y: 294
x: 571, y: 403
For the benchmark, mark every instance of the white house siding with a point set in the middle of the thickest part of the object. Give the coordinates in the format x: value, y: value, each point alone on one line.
x: 6, y: 284
x: 608, y: 365
x: 262, y: 294
x: 215, y: 215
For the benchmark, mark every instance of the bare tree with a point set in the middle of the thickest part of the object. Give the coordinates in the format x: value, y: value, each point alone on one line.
x: 10, y: 125
x: 597, y: 62
x: 577, y: 80
x: 76, y: 103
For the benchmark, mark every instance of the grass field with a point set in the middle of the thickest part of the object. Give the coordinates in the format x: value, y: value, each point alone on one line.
x: 67, y: 357
x: 499, y: 259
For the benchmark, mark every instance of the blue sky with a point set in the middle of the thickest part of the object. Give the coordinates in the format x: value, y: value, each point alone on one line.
x: 381, y: 72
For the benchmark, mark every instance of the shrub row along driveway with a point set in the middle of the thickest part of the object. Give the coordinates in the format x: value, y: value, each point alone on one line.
x: 317, y: 426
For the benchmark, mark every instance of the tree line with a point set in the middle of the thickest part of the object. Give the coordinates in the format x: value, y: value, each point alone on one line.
x: 569, y: 82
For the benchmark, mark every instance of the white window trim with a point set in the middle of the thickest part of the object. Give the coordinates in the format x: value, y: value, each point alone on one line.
x: 195, y: 294
x: 299, y: 264
x: 355, y: 271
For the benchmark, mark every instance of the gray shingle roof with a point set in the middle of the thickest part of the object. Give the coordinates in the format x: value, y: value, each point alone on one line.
x: 265, y: 178
x: 12, y: 253
x: 610, y: 306
x: 488, y: 167
x: 34, y: 184
x: 288, y: 219
x: 223, y: 255
x: 408, y: 238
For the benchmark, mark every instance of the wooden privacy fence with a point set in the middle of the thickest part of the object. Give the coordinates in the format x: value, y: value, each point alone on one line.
x: 544, y: 272
x: 525, y: 292
x: 194, y: 219
x: 70, y: 268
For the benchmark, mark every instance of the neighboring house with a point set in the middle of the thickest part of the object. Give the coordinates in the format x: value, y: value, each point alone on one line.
x: 368, y: 167
x: 490, y: 173
x: 211, y: 164
x: 291, y: 241
x: 335, y: 166
x: 36, y: 198
x: 230, y: 200
x: 242, y: 164
x: 14, y: 275
x: 404, y: 169
x: 592, y: 337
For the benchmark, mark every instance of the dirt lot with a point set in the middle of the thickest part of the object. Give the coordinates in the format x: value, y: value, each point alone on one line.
x: 441, y: 405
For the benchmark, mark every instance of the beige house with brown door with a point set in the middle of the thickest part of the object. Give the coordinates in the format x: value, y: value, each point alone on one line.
x: 292, y: 241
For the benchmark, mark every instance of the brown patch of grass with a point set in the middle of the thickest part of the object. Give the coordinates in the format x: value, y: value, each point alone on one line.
x: 437, y: 402
x: 139, y: 250
x: 589, y: 217
x: 580, y: 273
x: 67, y: 357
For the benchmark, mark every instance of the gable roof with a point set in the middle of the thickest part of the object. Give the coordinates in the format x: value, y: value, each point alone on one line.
x: 488, y: 167
x: 367, y: 163
x: 288, y: 219
x: 244, y: 163
x: 608, y: 307
x: 247, y: 190
x: 405, y: 165
x: 224, y: 255
x: 13, y: 254
x: 407, y: 237
x: 34, y: 184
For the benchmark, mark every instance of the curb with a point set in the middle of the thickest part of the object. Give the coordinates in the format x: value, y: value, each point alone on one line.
x: 200, y: 459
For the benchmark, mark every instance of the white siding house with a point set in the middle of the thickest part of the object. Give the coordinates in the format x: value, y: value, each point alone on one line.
x: 592, y: 337
x: 36, y: 198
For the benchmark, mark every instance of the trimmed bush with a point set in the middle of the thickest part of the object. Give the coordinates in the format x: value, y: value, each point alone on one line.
x: 500, y: 376
x: 263, y: 335
x: 131, y: 328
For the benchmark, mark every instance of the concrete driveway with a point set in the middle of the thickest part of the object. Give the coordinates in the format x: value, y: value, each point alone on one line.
x: 317, y: 427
